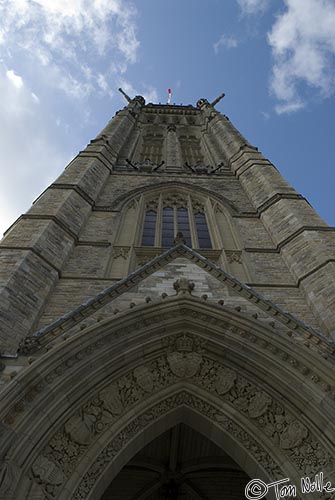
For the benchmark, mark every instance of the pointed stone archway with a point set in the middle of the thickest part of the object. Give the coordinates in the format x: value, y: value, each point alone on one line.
x: 94, y: 400
x: 180, y: 463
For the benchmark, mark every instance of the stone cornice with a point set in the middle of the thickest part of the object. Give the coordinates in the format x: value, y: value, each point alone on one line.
x: 328, y: 261
x: 75, y: 188
x: 52, y: 218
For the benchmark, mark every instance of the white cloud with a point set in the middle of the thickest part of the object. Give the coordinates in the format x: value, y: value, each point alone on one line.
x: 29, y: 157
x: 16, y: 80
x: 225, y: 41
x: 303, y: 46
x: 289, y: 107
x: 58, y: 34
x: 253, y: 6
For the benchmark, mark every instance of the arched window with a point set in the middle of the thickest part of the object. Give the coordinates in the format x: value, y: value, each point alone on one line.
x: 175, y: 213
x: 184, y: 225
x: 149, y: 229
x: 168, y: 227
x: 202, y: 230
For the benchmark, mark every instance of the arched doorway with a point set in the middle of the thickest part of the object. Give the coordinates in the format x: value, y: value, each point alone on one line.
x: 94, y: 401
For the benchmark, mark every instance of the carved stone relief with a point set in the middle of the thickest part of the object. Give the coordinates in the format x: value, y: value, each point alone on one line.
x: 145, y: 419
x: 121, y: 252
x: 234, y: 256
x: 184, y: 358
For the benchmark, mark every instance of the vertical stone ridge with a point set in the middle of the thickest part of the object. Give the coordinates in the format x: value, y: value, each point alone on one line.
x: 26, y: 277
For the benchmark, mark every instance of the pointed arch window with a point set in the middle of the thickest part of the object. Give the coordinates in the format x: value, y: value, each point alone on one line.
x: 202, y: 230
x: 168, y: 227
x: 149, y: 228
x: 175, y: 214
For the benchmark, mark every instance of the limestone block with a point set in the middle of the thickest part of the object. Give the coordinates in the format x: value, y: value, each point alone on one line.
x: 88, y: 261
x: 26, y: 280
x: 67, y: 205
x: 287, y: 216
x: 44, y: 236
x: 89, y: 174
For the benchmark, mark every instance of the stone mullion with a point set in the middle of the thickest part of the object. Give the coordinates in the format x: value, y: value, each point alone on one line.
x: 194, y: 234
x: 159, y: 225
x: 211, y: 223
x: 175, y: 221
x: 140, y: 221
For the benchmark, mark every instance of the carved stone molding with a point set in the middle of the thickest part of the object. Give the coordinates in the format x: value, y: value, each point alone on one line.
x: 121, y: 252
x: 234, y: 256
x: 184, y: 358
x: 144, y: 420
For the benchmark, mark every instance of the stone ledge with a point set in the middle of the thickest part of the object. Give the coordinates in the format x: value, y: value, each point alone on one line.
x: 74, y: 187
x: 45, y: 217
x: 317, y: 268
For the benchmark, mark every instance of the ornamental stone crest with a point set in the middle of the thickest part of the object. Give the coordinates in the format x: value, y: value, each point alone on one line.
x: 184, y: 362
x: 47, y: 472
x: 259, y: 404
x: 111, y: 399
x: 225, y: 380
x: 293, y: 435
x: 144, y: 378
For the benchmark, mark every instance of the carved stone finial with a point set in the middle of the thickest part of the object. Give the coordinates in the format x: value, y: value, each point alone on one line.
x: 183, y: 286
x: 171, y: 127
x: 202, y: 102
x: 29, y: 345
x: 140, y: 99
x: 179, y: 238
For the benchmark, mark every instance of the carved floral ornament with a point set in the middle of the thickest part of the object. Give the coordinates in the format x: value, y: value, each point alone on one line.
x: 184, y: 357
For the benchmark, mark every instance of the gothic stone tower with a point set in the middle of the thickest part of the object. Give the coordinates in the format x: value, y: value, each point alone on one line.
x: 167, y: 321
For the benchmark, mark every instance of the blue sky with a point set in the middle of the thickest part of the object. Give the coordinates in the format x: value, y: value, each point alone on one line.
x: 61, y: 62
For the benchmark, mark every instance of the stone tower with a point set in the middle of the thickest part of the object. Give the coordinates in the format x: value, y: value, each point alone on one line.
x: 167, y: 321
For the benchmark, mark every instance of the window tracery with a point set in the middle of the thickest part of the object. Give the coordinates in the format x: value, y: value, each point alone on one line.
x: 191, y: 149
x: 173, y: 213
x: 152, y: 148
